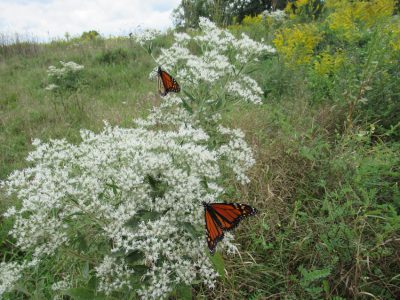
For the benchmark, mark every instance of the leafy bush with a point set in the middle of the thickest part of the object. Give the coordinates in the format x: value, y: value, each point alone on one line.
x: 90, y: 35
x: 330, y: 226
x: 113, y: 56
x: 357, y: 189
x: 304, y: 10
x: 330, y: 173
x: 349, y: 56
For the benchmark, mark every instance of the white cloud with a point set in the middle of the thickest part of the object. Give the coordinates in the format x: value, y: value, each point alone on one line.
x: 53, y: 18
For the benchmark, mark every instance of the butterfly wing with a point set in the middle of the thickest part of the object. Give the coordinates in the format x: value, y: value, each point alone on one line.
x: 230, y: 214
x: 161, y: 89
x: 169, y: 84
x: 214, y: 231
x: 222, y: 217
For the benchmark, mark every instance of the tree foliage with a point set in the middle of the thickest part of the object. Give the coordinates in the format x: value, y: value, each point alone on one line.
x: 222, y: 12
x: 90, y: 35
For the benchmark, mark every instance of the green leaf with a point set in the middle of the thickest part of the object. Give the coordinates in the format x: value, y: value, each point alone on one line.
x: 325, y: 284
x: 114, y: 187
x: 93, y: 283
x: 134, y: 256
x: 307, y: 153
x: 140, y: 270
x: 142, y: 215
x: 81, y: 293
x: 158, y: 187
x: 82, y: 244
x: 184, y: 292
x: 204, y: 182
x: 85, y: 270
x: 22, y: 289
x: 189, y: 96
x: 252, y: 71
x: 136, y: 281
x: 187, y: 106
x: 218, y: 104
x: 133, y: 222
x: 192, y: 230
x: 313, y: 275
x: 151, y: 180
x: 218, y: 262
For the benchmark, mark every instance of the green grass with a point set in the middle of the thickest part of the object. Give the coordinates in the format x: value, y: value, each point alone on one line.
x: 328, y: 196
x: 113, y: 92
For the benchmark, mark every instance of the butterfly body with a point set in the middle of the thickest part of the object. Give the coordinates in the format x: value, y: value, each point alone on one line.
x: 166, y: 83
x: 221, y: 217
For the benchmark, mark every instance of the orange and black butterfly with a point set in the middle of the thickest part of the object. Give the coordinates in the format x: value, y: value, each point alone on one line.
x: 222, y: 217
x: 166, y: 83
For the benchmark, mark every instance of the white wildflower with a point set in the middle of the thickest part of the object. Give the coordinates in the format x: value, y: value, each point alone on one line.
x: 113, y: 275
x: 51, y: 87
x: 58, y: 76
x: 145, y: 36
x: 73, y: 182
x: 71, y: 66
x: 218, y: 65
x: 10, y: 212
x: 244, y: 90
x: 181, y: 37
x: 67, y: 67
x: 238, y: 154
x: 63, y: 284
x: 139, y: 191
x: 278, y: 15
x: 9, y: 274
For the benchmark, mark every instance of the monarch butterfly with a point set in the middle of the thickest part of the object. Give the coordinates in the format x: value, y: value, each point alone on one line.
x: 222, y: 217
x: 166, y: 83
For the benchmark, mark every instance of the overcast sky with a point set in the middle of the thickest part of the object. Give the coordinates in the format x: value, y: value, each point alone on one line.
x: 46, y: 19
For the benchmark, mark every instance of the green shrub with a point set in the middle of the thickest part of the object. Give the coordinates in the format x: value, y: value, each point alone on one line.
x: 113, y: 56
x: 90, y: 35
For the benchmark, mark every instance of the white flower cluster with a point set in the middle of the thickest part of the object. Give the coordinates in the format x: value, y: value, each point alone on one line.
x: 113, y: 177
x: 113, y: 275
x: 63, y: 284
x: 9, y: 274
x: 234, y: 5
x: 249, y: 90
x: 137, y: 193
x: 278, y: 15
x: 67, y: 67
x: 238, y: 154
x: 218, y: 62
x: 170, y: 112
x: 59, y: 74
x: 146, y: 35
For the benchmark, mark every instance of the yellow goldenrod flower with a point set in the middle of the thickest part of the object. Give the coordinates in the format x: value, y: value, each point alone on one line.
x: 327, y: 63
x: 350, y: 18
x: 297, y: 44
